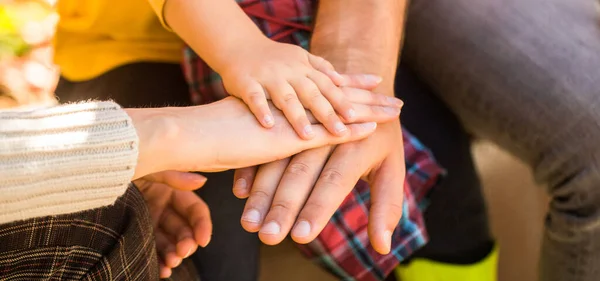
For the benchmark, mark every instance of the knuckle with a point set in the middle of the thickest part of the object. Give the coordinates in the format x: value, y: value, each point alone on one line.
x: 257, y: 193
x: 252, y: 95
x: 389, y: 209
x: 315, y: 207
x: 289, y: 98
x: 299, y: 169
x: 314, y: 93
x: 331, y: 115
x: 332, y: 176
x: 282, y: 206
x: 255, y: 97
x: 330, y: 88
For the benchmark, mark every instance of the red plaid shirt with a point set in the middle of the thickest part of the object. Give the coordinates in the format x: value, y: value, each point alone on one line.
x: 343, y: 247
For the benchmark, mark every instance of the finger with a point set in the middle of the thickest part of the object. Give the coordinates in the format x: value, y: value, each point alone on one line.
x: 322, y: 137
x: 178, y: 180
x: 375, y: 113
x: 186, y: 248
x: 166, y: 249
x: 361, y: 81
x: 335, y: 182
x: 164, y: 271
x: 261, y: 195
x: 387, y: 194
x: 365, y: 97
x: 253, y: 94
x: 243, y: 179
x: 312, y: 99
x: 284, y: 97
x: 197, y: 215
x: 293, y: 190
x: 326, y: 68
x: 333, y: 94
x: 176, y: 227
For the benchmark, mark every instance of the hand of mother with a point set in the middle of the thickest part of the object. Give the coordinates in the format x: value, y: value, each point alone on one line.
x: 225, y: 135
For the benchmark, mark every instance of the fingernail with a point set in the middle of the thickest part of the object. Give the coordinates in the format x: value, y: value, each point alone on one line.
x: 337, y: 76
x: 391, y: 110
x: 302, y: 229
x: 308, y: 131
x: 373, y: 79
x: 269, y: 120
x: 177, y: 263
x: 252, y: 215
x: 351, y: 113
x: 339, y: 128
x: 395, y: 101
x: 370, y: 125
x: 240, y: 184
x: 188, y: 253
x: 387, y: 238
x: 271, y: 228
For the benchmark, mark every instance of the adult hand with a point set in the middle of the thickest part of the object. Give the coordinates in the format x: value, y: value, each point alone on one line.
x: 281, y: 193
x: 225, y: 135
x: 181, y: 220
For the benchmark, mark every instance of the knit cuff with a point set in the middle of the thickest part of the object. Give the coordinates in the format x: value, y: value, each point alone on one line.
x: 64, y: 159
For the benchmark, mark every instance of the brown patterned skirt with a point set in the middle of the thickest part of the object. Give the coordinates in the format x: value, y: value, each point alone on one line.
x: 110, y: 243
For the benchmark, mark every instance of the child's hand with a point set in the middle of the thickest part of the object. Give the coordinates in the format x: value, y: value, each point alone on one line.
x: 294, y: 80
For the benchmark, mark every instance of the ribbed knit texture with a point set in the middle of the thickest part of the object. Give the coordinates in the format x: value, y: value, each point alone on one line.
x: 64, y: 159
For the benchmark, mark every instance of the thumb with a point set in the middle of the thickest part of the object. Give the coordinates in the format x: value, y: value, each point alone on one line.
x: 387, y: 195
x: 178, y: 180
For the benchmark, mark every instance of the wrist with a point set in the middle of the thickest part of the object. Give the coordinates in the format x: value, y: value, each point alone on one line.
x: 154, y: 128
x: 238, y: 51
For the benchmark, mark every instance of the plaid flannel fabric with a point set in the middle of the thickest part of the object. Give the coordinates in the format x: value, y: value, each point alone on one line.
x: 343, y: 247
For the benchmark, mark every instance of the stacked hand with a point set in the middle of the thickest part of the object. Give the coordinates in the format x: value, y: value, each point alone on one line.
x: 295, y: 80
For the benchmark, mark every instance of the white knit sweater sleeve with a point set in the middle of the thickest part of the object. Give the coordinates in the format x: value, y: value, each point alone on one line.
x: 64, y: 159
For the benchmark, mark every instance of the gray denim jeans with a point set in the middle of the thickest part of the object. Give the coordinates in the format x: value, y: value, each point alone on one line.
x: 525, y: 74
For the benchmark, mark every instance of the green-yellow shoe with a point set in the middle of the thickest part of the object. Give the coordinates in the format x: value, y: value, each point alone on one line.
x: 426, y: 270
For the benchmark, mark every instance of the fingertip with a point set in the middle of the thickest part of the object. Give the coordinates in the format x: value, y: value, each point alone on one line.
x: 268, y: 121
x: 172, y: 260
x: 240, y: 188
x: 197, y: 179
x: 206, y: 241
x: 336, y: 78
x: 270, y: 233
x: 372, y: 80
x: 203, y: 233
x: 387, y: 242
x: 301, y: 233
x: 350, y: 115
x: 185, y: 247
x: 366, y: 128
x: 164, y: 271
x: 307, y: 132
x: 340, y: 129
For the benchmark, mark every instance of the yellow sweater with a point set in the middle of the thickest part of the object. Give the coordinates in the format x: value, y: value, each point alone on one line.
x: 95, y: 36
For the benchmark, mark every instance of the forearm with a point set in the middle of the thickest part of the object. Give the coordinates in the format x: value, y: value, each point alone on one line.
x: 361, y: 36
x: 213, y: 29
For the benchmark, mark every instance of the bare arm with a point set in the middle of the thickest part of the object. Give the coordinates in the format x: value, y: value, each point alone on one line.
x: 361, y: 36
x: 214, y: 29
